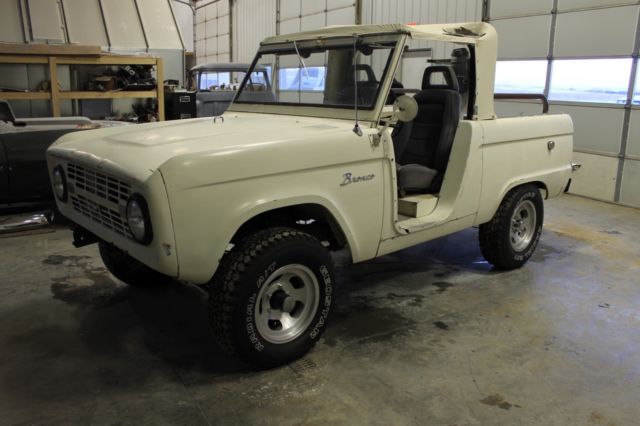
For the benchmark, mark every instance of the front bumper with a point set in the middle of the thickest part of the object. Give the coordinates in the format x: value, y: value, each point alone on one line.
x: 574, y: 168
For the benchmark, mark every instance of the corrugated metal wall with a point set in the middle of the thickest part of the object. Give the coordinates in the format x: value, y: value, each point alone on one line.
x: 422, y: 12
x: 304, y: 15
x: 253, y: 20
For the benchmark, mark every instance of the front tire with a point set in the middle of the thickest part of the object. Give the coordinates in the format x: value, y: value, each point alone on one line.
x: 271, y: 296
x: 512, y: 235
x: 127, y: 269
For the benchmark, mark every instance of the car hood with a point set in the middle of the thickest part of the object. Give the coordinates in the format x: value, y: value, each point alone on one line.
x: 138, y: 151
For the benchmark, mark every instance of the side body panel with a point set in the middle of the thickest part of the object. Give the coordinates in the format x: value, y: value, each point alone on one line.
x: 524, y: 149
x: 207, y: 212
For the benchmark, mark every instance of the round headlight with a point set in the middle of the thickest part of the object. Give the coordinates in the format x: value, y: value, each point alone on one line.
x: 138, y: 219
x: 59, y: 182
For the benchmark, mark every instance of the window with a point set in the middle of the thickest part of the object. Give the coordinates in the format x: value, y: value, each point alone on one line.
x: 590, y: 80
x: 214, y: 80
x: 520, y: 76
x: 312, y: 73
x: 636, y: 89
x: 258, y: 77
x: 309, y: 78
x: 229, y: 80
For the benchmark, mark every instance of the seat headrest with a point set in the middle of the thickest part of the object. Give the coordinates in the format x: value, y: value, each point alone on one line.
x: 451, y: 81
x: 367, y: 70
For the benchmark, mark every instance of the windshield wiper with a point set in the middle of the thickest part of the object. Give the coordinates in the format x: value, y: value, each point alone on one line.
x: 295, y: 46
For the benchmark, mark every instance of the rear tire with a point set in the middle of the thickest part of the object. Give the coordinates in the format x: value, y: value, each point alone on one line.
x: 127, y: 269
x: 271, y: 296
x: 512, y: 235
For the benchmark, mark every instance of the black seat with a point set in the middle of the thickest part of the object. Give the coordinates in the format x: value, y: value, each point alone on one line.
x: 367, y: 87
x: 422, y: 146
x: 395, y: 84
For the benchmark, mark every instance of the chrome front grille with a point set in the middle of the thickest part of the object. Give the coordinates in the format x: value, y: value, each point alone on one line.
x: 99, y: 197
x: 100, y: 184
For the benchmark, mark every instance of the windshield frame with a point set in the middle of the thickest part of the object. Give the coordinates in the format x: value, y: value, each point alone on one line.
x: 370, y: 113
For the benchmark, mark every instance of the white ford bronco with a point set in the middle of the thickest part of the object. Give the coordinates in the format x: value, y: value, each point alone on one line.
x: 334, y: 155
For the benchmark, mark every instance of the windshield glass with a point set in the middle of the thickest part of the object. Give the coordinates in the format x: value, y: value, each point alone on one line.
x: 324, y: 72
x: 229, y: 80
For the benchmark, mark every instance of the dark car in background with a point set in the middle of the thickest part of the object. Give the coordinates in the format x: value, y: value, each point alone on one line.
x: 24, y: 178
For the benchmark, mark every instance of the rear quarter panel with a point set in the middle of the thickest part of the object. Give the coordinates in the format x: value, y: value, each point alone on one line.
x: 515, y: 151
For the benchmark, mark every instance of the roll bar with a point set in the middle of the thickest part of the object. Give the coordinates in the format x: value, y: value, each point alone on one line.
x: 516, y: 96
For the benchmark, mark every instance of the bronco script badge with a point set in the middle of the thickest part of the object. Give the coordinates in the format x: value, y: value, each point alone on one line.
x: 348, y: 178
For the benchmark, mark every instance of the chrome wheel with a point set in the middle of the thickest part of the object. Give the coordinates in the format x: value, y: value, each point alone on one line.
x: 523, y: 225
x: 287, y: 303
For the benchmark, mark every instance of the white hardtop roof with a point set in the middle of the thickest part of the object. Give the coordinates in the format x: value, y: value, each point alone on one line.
x: 465, y: 33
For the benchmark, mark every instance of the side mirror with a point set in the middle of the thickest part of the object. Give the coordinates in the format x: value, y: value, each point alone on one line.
x: 405, y: 108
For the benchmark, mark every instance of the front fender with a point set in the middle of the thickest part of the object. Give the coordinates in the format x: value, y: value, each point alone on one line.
x: 264, y: 207
x: 207, y: 217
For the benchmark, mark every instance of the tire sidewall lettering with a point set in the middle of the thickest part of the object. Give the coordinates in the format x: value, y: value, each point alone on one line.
x: 250, y: 327
x: 252, y: 333
x: 326, y: 306
x: 267, y: 272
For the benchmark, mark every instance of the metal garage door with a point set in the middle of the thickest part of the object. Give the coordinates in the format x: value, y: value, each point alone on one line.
x: 420, y: 12
x: 212, y: 31
x: 299, y: 15
x: 583, y: 55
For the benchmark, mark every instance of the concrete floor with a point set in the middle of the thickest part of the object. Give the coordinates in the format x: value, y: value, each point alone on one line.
x: 429, y: 335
